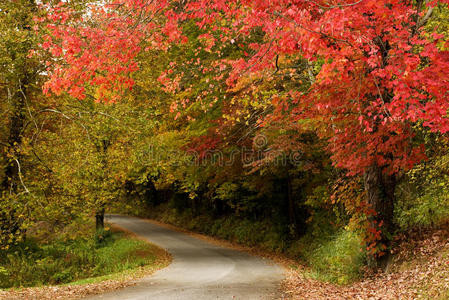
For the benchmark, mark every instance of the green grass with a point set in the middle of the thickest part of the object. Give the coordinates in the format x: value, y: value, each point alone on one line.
x: 57, y: 262
x: 339, y: 260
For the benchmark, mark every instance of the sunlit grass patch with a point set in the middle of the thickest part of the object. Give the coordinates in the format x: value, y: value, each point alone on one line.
x: 32, y: 263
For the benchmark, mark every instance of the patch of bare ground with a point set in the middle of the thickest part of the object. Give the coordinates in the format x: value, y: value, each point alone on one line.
x: 98, y: 285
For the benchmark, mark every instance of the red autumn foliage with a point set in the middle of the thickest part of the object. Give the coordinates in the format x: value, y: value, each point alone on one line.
x: 380, y: 73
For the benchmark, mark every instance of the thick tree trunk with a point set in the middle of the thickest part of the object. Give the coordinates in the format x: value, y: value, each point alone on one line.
x: 380, y: 189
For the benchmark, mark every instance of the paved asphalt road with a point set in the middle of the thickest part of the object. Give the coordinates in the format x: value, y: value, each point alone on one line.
x: 199, y: 270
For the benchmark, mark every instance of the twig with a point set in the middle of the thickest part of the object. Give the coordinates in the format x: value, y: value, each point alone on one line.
x: 20, y: 176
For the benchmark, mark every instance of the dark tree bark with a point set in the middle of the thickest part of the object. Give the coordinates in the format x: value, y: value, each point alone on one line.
x: 150, y: 194
x: 380, y: 188
x: 99, y: 219
x: 102, y: 149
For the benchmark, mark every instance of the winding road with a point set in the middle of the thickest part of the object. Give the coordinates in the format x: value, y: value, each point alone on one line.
x: 199, y: 270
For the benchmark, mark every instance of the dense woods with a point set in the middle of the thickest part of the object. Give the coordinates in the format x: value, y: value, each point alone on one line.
x: 317, y: 129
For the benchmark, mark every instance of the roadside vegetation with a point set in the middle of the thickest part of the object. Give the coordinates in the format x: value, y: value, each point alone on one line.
x: 331, y: 248
x: 76, y: 258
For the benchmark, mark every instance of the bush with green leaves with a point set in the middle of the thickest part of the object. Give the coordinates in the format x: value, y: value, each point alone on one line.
x: 423, y: 195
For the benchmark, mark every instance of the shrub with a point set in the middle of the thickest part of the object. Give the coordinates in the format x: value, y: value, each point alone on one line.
x: 423, y: 194
x: 338, y: 260
x: 428, y: 210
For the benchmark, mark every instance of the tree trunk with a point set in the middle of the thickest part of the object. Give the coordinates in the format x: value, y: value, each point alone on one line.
x: 150, y: 194
x: 102, y: 149
x: 99, y: 219
x: 380, y: 189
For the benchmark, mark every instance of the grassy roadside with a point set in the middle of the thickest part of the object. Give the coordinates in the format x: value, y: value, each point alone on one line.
x: 112, y: 261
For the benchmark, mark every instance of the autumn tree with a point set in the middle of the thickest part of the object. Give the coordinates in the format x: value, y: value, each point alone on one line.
x: 375, y: 70
x: 90, y: 154
x: 19, y: 87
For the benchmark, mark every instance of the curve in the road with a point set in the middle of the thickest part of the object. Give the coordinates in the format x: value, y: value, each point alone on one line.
x: 199, y: 270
